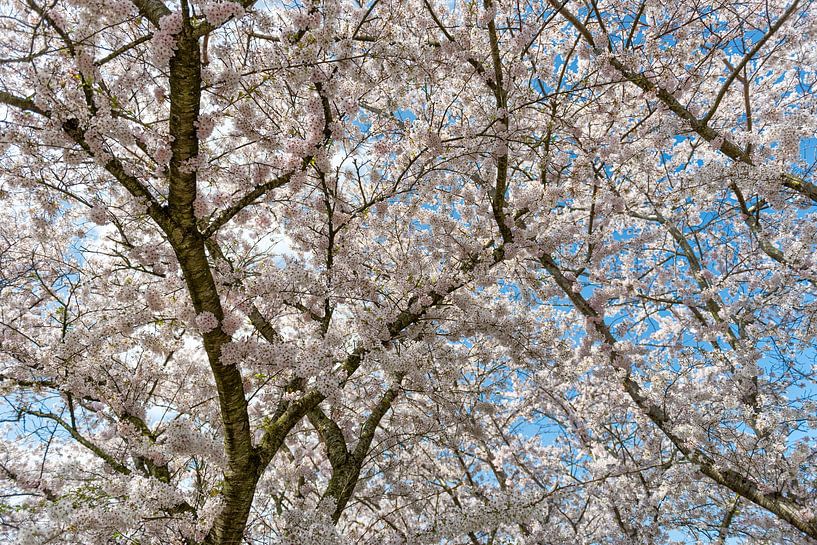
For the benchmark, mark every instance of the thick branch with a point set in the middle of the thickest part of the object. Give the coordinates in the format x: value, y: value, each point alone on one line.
x: 152, y: 10
x: 82, y: 440
x: 230, y: 212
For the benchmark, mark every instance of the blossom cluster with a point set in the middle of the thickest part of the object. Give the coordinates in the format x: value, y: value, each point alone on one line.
x: 163, y: 43
x: 220, y: 11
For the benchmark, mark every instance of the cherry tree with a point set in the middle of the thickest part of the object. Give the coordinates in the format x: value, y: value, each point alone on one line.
x: 335, y: 271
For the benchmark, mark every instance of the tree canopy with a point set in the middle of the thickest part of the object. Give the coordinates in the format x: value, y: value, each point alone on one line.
x: 408, y: 272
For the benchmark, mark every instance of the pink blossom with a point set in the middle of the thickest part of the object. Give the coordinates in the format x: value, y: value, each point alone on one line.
x: 206, y: 322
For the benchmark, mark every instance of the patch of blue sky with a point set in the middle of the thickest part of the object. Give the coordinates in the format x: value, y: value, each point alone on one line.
x: 808, y: 165
x: 417, y: 225
x: 405, y: 115
x: 509, y: 289
x: 362, y: 124
x: 635, y: 35
x: 545, y: 90
x: 808, y: 151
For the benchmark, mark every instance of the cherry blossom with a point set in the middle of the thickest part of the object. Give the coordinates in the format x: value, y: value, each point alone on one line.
x: 408, y: 272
